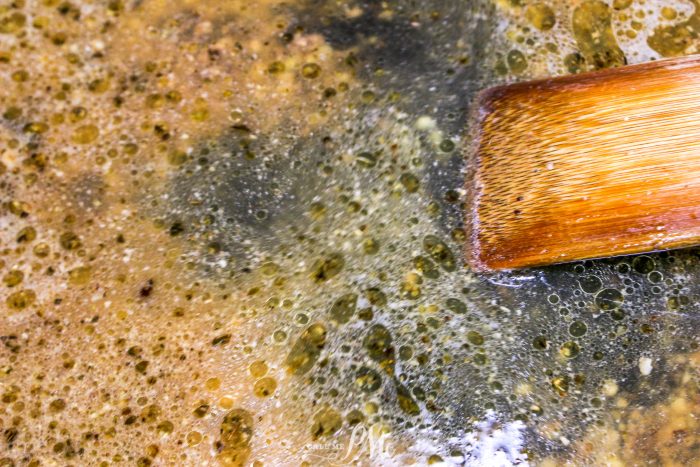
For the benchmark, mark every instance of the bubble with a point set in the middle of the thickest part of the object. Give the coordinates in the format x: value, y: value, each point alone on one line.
x: 310, y: 70
x: 375, y: 296
x: 366, y: 160
x: 279, y: 336
x: 343, y: 308
x: 165, y: 427
x: 643, y: 264
x: 578, y: 328
x: 221, y: 340
x: 328, y: 267
x: 42, y: 250
x: 201, y: 410
x: 265, y: 387
x: 236, y: 433
x: 426, y: 267
x: 194, y: 438
x: 475, y: 338
x: 405, y: 352
x: 655, y: 277
x: 617, y: 314
x: 592, y: 28
x: 70, y: 241
x: 447, y: 145
x: 590, y: 284
x: 411, y: 287
x: 480, y: 359
x: 540, y: 16
x: 561, y: 385
x: 516, y: 61
x: 80, y: 275
x: 406, y: 402
x: 85, y: 134
x: 26, y: 235
x: 366, y: 314
x: 569, y: 349
x: 327, y: 422
x: 609, y: 299
x: 540, y: 343
x: 440, y: 252
x: 307, y: 349
x: 410, y: 182
x: 21, y: 299
x: 370, y: 246
x: 621, y: 4
x: 275, y: 68
x: 378, y: 342
x: 269, y: 269
x: 213, y: 384
x: 13, y: 278
x: 57, y: 405
x: 456, y: 306
x: 301, y: 318
x: 367, y: 380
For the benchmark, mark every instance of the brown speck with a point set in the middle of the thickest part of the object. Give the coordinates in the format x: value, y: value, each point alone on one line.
x: 147, y: 289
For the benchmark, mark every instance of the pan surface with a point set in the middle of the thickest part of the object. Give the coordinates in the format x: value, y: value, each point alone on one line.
x: 232, y: 235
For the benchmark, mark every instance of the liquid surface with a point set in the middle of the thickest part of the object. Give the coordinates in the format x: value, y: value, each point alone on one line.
x: 232, y: 235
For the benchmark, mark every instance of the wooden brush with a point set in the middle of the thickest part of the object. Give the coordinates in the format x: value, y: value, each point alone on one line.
x: 586, y: 166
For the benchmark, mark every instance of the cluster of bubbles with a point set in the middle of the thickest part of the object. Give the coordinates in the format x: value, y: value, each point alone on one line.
x: 391, y: 315
x: 343, y: 242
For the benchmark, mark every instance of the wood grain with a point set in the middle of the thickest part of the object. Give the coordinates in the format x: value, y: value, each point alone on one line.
x: 585, y: 166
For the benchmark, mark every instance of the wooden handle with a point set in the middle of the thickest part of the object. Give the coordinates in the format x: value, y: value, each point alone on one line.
x: 586, y: 166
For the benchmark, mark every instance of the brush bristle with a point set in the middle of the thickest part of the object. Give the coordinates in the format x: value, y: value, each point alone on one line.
x: 586, y: 166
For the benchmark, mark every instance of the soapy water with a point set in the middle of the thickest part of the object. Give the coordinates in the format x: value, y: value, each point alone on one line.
x: 333, y: 220
x: 534, y: 347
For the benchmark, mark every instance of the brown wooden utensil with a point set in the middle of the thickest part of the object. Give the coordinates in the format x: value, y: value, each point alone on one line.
x: 585, y: 166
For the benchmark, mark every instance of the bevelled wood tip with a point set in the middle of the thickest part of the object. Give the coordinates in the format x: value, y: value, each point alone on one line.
x: 586, y: 166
